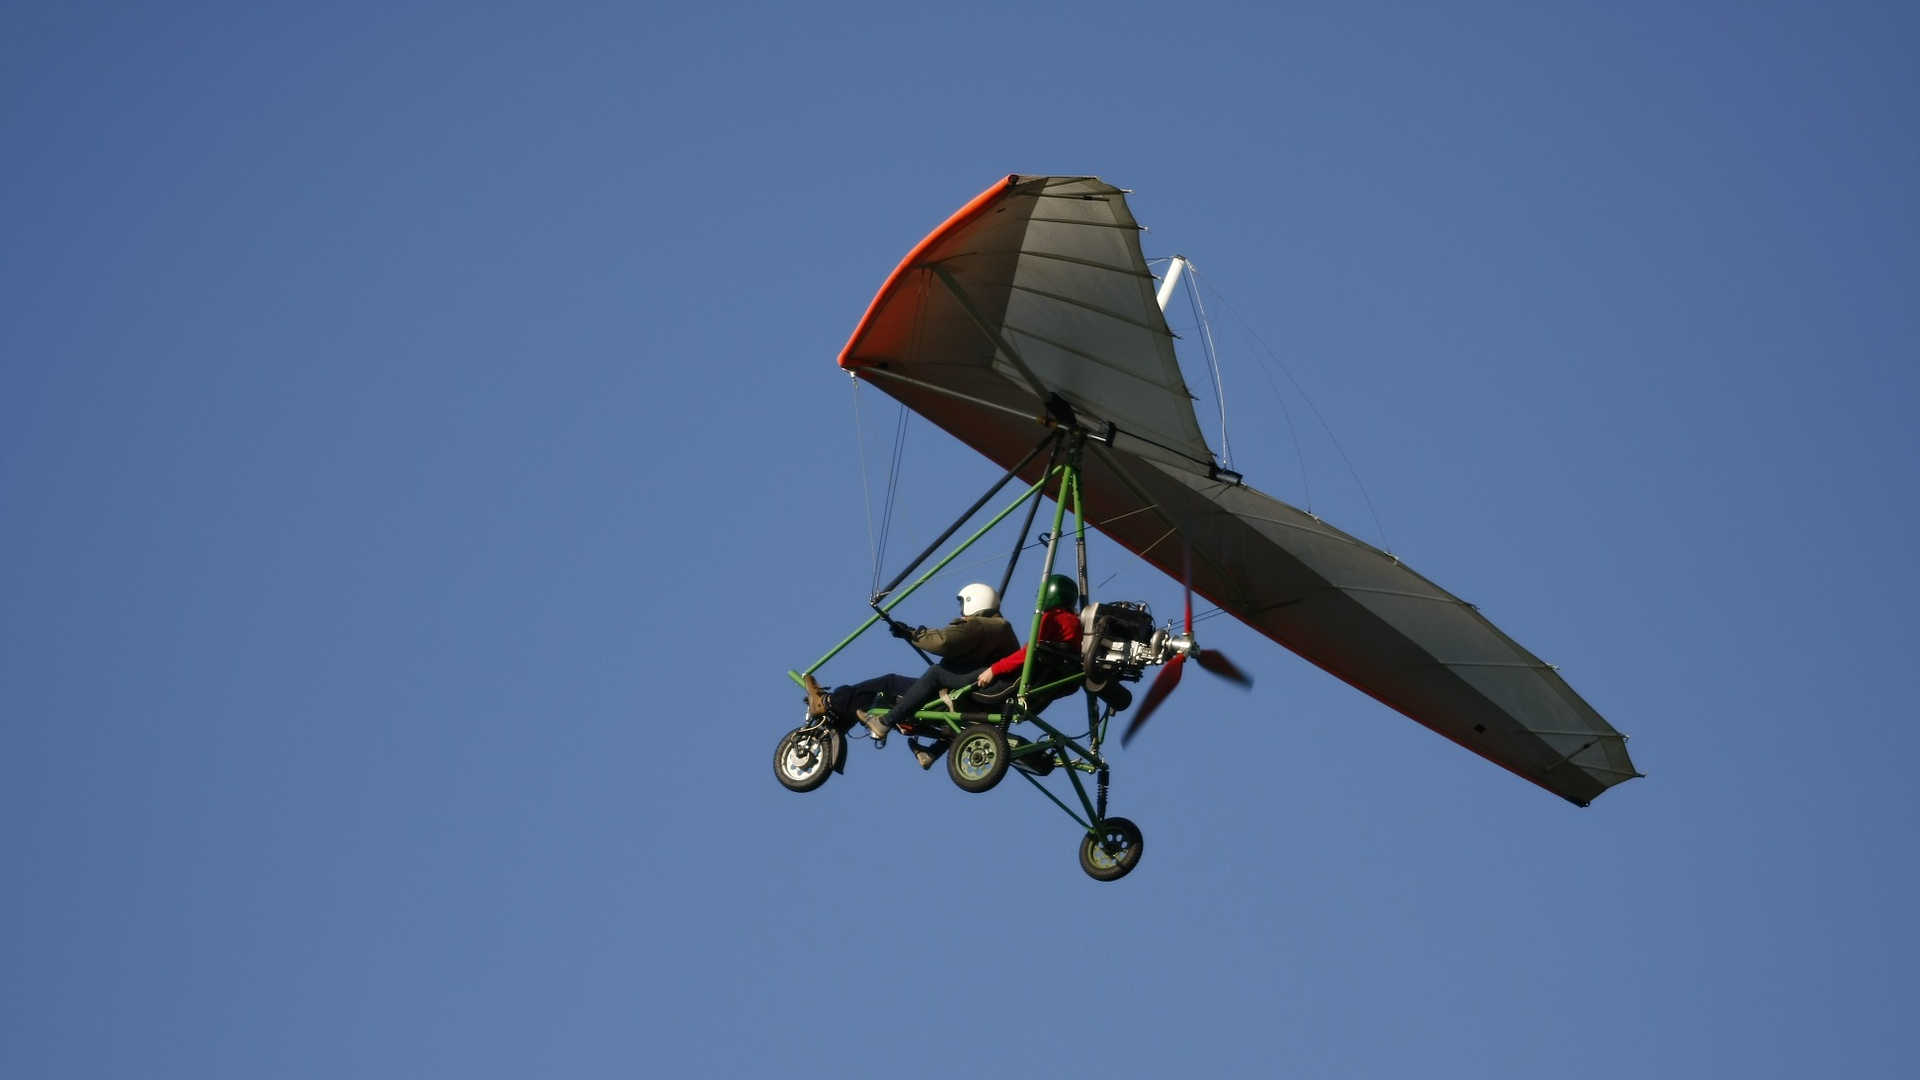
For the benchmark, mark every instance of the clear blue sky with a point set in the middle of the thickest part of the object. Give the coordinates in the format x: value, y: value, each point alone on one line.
x: 421, y: 457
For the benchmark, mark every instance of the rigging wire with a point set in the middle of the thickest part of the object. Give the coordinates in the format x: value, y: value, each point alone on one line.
x: 877, y: 542
x: 1365, y: 495
x: 899, y: 446
x: 1213, y: 360
x: 893, y: 487
x: 1293, y: 429
x: 866, y: 489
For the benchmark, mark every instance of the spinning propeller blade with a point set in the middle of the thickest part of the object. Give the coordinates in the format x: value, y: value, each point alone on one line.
x: 1217, y: 663
x: 1163, y: 685
x: 1211, y: 660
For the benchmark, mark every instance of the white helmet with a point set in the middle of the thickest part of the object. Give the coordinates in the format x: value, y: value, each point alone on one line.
x: 977, y: 598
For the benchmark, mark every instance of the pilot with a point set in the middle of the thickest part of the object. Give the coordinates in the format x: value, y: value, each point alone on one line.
x: 965, y: 646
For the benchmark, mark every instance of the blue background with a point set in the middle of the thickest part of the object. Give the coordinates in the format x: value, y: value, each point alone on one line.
x: 421, y: 457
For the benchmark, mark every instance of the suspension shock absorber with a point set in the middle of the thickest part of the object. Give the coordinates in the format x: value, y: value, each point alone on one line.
x: 1101, y: 804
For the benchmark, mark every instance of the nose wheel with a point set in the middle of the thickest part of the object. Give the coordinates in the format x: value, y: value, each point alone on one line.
x: 804, y: 759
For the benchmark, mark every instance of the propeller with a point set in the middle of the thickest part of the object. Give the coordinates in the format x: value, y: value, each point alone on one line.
x: 1211, y: 660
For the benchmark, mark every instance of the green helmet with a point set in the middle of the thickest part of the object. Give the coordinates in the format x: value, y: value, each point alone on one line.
x: 1059, y: 591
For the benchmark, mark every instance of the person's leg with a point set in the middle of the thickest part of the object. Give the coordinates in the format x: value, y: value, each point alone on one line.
x: 890, y: 685
x: 848, y: 699
x: 932, y: 681
x: 939, y: 679
x: 849, y: 703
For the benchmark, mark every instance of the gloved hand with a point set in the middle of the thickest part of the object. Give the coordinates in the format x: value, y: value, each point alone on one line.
x: 902, y: 631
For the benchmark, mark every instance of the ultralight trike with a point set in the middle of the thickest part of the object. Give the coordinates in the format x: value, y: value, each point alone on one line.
x: 1118, y: 642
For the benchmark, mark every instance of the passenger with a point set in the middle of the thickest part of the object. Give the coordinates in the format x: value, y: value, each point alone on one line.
x: 1059, y: 626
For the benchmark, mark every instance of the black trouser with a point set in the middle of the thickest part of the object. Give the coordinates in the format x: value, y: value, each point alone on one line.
x: 909, y: 695
x: 851, y: 698
x: 935, y: 679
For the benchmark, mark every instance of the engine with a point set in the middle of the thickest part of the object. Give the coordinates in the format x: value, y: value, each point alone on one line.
x: 1119, y: 641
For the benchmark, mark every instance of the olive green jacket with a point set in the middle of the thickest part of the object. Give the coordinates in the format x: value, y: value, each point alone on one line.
x: 970, y: 641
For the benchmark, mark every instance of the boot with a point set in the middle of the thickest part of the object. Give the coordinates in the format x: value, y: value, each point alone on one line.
x: 876, y: 724
x: 927, y: 755
x: 816, y: 698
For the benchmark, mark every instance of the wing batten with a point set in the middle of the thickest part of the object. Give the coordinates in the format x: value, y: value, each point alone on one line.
x: 1088, y: 357
x: 1100, y: 311
x: 1126, y: 271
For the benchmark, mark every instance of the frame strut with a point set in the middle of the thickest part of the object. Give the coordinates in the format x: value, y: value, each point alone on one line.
x: 1020, y: 539
x: 1053, y: 544
x: 881, y: 612
x: 1052, y: 436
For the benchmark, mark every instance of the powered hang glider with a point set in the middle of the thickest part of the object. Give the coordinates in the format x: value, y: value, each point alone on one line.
x: 1027, y: 323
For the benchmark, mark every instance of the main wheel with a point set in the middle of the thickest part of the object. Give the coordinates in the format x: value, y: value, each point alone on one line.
x: 804, y: 758
x: 1112, y: 852
x: 978, y: 758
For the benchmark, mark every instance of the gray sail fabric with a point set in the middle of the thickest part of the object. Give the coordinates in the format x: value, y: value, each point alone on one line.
x: 1038, y: 287
x: 1046, y: 288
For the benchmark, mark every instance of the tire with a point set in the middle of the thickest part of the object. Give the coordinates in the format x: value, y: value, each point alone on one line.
x: 804, y: 758
x: 1113, y: 852
x: 978, y: 758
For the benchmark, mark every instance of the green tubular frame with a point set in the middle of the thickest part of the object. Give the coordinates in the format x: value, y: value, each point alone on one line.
x: 895, y: 599
x: 1064, y: 749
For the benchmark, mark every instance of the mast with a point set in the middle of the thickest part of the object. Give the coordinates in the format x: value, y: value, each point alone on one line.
x: 1172, y: 281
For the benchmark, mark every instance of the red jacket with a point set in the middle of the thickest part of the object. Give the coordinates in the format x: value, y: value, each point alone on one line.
x: 1058, y: 625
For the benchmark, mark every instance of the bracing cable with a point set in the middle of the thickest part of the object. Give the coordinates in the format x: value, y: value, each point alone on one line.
x: 893, y: 487
x: 1365, y: 495
x: 1213, y: 360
